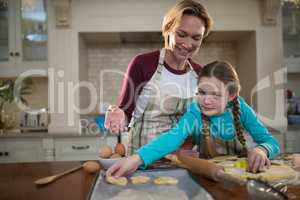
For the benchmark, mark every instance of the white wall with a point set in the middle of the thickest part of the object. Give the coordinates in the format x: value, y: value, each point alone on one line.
x: 145, y: 15
x: 270, y: 101
x: 64, y: 70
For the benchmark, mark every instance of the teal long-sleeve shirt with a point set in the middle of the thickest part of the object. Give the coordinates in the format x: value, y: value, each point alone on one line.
x: 221, y: 127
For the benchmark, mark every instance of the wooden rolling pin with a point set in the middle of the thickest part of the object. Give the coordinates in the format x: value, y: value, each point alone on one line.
x: 208, y: 169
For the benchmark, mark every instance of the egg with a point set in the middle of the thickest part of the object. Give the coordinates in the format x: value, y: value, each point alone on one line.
x: 91, y: 166
x: 120, y: 149
x: 115, y: 155
x: 105, y: 152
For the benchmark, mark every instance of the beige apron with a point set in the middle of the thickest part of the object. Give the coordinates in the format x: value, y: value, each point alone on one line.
x: 159, y: 111
x: 221, y: 147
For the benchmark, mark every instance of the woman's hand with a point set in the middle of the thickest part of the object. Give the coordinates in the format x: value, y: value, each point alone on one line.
x: 115, y: 120
x: 257, y: 159
x: 125, y: 166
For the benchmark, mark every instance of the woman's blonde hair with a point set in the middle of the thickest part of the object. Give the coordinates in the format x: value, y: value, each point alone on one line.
x: 173, y: 17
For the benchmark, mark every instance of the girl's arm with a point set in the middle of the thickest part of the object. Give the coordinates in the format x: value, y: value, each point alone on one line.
x: 257, y: 130
x: 170, y: 141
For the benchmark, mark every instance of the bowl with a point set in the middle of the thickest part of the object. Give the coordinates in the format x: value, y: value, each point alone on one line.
x: 107, y: 162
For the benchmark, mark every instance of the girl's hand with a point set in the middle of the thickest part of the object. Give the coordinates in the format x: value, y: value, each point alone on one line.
x: 257, y: 159
x: 125, y: 166
x: 115, y: 120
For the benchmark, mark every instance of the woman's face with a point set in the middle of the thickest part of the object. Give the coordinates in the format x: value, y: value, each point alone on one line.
x: 186, y: 39
x: 213, y: 96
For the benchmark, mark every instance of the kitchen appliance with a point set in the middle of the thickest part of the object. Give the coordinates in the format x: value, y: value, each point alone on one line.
x: 34, y: 120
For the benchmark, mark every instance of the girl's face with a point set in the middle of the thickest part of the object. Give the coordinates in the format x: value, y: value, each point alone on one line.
x: 186, y: 39
x: 213, y: 96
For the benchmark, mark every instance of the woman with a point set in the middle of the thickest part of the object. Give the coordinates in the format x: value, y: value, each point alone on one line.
x: 159, y: 85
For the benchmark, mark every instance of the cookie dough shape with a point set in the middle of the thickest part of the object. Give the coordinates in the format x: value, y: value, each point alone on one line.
x: 122, y: 181
x: 165, y: 180
x: 273, y: 174
x: 136, y: 180
x: 277, y: 173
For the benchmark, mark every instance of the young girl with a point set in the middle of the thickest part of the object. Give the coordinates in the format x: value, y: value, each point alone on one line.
x: 215, y: 121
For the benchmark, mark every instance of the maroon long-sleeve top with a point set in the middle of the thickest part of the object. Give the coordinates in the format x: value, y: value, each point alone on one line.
x: 140, y: 70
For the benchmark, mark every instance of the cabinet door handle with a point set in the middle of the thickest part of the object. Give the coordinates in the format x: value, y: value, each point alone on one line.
x: 17, y: 54
x: 80, y: 147
x: 6, y: 153
x: 11, y: 54
x: 1, y: 153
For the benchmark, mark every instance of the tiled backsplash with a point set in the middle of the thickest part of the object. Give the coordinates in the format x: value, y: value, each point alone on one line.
x: 115, y: 57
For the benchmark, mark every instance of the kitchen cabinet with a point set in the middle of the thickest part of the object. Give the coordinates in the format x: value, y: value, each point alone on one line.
x: 23, y: 36
x: 291, y: 37
x: 291, y: 53
x: 80, y: 148
x: 21, y: 149
x: 37, y: 148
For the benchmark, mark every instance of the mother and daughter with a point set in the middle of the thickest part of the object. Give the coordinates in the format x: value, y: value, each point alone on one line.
x: 215, y: 120
x: 166, y: 111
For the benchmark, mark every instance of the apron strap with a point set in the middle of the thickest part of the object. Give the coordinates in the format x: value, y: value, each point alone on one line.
x: 155, y: 77
x: 157, y: 74
x: 162, y: 56
x: 192, y: 69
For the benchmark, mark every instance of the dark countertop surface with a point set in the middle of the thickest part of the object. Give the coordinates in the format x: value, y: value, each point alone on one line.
x: 17, y: 183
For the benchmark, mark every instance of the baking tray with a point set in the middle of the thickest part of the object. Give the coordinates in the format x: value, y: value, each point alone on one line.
x: 187, y: 187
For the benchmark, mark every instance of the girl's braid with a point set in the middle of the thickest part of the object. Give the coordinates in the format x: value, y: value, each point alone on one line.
x: 207, y: 145
x: 238, y: 127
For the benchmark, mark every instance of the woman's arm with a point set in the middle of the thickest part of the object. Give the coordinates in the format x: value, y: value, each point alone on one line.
x: 133, y: 79
x: 139, y: 71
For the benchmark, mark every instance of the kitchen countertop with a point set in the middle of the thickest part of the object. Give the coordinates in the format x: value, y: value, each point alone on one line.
x: 16, y: 183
